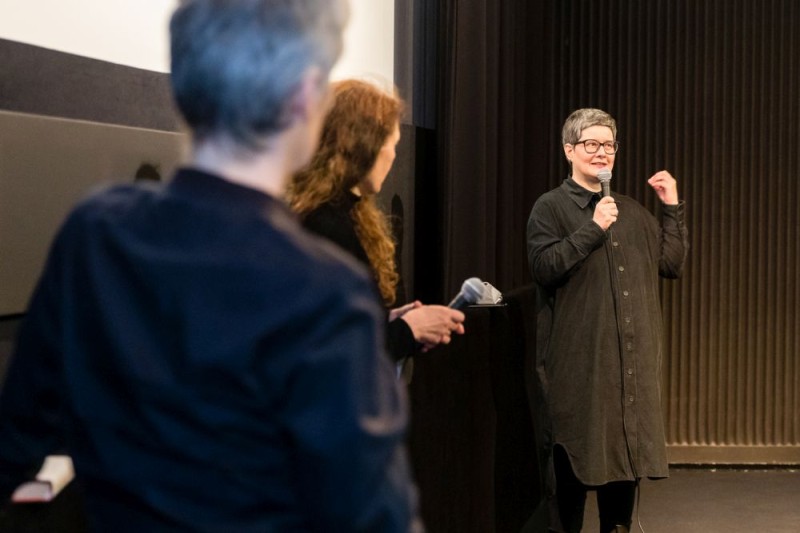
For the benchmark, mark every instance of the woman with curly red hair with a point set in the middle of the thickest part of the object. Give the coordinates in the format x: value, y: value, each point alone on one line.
x: 335, y: 197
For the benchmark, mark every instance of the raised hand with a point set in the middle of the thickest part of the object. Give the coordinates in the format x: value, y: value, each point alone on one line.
x: 665, y: 186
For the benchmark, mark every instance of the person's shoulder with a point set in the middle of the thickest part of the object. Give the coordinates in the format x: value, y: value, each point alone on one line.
x: 327, y: 209
x: 635, y: 209
x: 553, y: 195
x: 628, y: 202
x: 113, y: 196
x: 549, y: 201
x: 335, y: 223
x: 106, y: 201
x: 321, y: 250
x: 326, y: 215
x: 320, y: 256
x: 314, y: 276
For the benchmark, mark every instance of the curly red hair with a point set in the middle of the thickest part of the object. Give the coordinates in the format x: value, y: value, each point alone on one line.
x: 360, y: 121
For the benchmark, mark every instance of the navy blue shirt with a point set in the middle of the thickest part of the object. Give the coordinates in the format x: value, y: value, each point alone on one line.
x: 209, y: 366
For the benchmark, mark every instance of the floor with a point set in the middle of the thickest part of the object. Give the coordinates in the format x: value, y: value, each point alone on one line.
x: 711, y: 501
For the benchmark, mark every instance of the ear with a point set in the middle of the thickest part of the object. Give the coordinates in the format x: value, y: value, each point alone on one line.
x: 311, y: 93
x: 569, y: 150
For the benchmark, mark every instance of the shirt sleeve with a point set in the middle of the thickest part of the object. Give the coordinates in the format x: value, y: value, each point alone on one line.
x: 400, y: 340
x: 552, y: 256
x: 346, y: 417
x: 674, y: 241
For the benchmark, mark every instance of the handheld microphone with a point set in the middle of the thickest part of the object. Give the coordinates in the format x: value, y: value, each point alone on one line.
x: 605, y: 181
x: 471, y: 291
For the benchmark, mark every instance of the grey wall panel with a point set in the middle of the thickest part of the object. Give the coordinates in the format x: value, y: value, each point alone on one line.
x: 48, y: 164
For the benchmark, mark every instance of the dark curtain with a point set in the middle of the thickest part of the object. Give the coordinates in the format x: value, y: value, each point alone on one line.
x: 491, y: 101
x: 709, y: 90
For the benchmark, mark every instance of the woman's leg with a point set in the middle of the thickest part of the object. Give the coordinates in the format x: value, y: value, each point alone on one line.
x: 615, y: 505
x: 570, y: 493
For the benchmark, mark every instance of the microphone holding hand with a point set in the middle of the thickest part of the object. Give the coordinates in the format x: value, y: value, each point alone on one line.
x: 606, y: 212
x: 435, y: 324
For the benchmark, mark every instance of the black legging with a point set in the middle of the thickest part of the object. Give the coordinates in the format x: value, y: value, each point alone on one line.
x: 615, y: 500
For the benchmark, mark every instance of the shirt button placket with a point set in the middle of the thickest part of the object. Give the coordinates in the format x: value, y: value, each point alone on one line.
x: 626, y: 329
x: 627, y: 332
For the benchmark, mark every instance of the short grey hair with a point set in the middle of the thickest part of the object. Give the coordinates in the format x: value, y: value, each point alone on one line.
x: 237, y: 63
x: 581, y: 119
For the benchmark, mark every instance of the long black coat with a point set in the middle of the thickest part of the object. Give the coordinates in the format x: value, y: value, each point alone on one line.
x: 600, y: 329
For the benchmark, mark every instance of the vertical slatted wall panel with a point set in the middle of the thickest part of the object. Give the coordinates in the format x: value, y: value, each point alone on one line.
x: 711, y: 91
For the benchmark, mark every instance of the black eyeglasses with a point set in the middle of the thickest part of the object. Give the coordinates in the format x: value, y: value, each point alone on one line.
x: 592, y: 146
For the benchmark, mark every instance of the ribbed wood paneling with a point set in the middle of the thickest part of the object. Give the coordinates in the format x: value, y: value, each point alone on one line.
x: 710, y: 91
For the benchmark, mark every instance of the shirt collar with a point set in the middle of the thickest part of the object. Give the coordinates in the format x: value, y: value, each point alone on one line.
x: 202, y: 186
x: 582, y: 197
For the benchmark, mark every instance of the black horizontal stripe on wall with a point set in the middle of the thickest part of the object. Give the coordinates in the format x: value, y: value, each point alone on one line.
x: 47, y: 82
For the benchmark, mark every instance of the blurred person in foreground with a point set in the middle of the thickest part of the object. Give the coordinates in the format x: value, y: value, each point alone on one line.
x: 597, y: 262
x: 335, y: 197
x: 208, y: 364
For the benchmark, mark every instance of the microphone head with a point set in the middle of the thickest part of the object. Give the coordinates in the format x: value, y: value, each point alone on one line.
x: 604, y: 175
x: 472, y: 289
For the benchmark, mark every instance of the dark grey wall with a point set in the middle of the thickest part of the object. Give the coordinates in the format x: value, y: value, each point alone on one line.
x: 397, y: 199
x: 412, y: 182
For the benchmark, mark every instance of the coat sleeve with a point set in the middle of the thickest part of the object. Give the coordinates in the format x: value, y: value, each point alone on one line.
x: 552, y: 254
x: 400, y: 340
x: 674, y: 241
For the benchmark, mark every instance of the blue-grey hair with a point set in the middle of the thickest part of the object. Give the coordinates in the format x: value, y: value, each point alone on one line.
x: 237, y: 63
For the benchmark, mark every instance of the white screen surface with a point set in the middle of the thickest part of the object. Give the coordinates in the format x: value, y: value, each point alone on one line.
x: 135, y: 32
